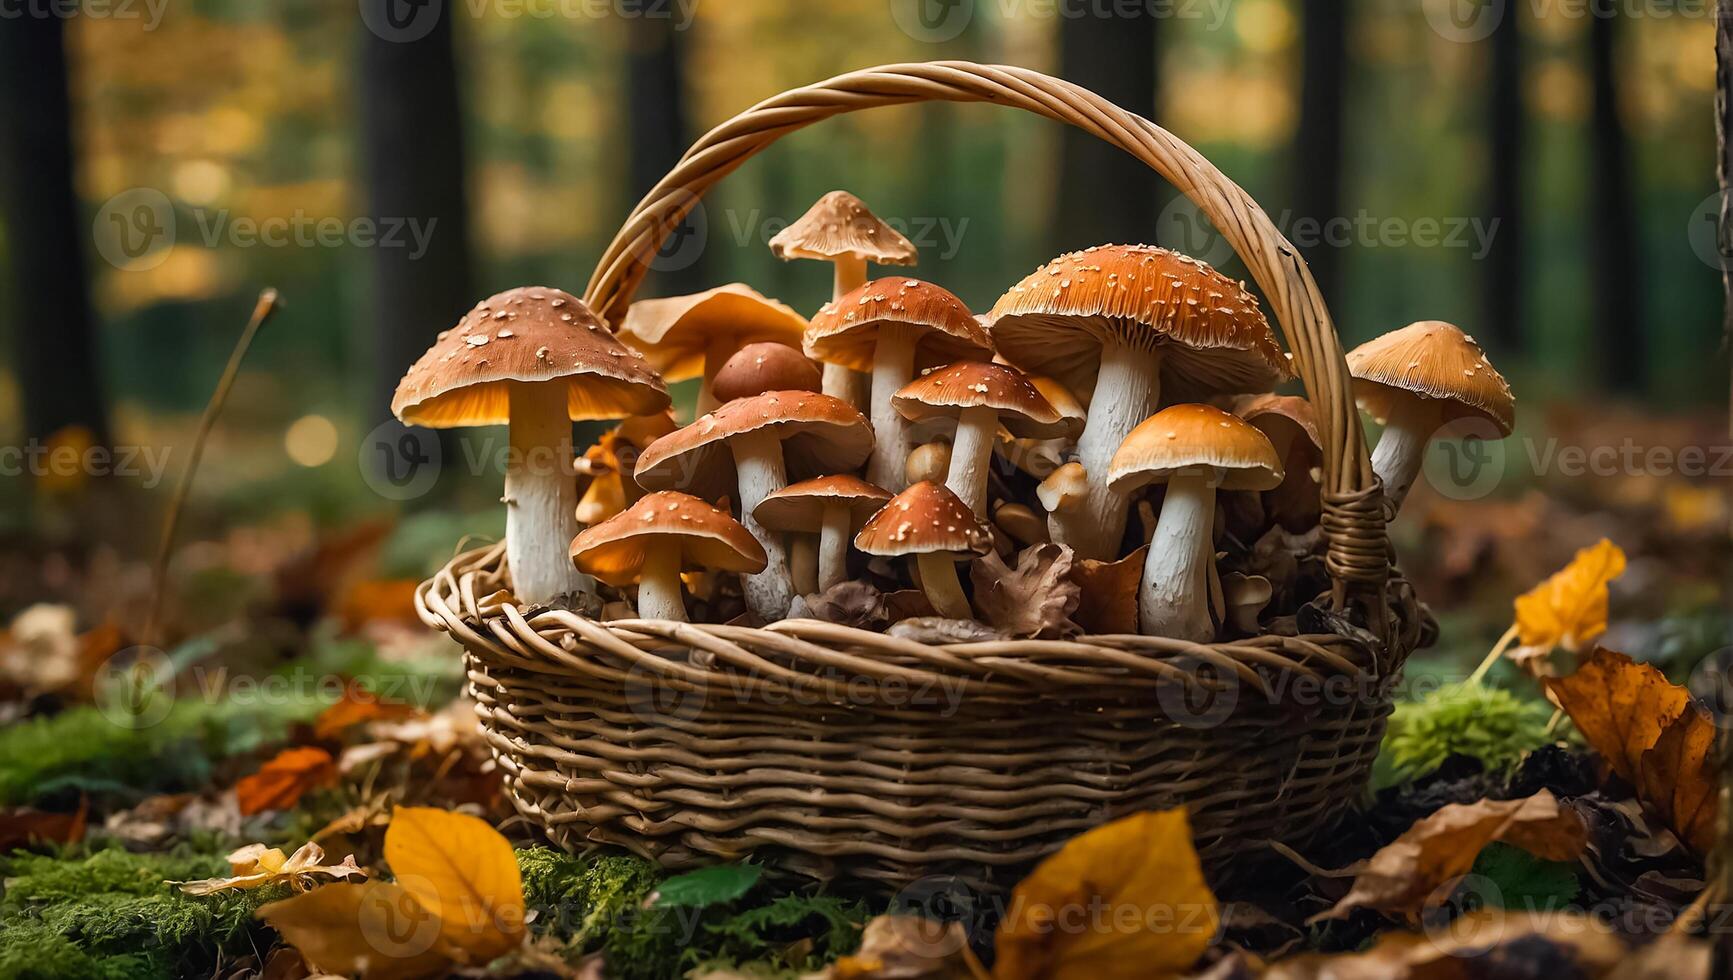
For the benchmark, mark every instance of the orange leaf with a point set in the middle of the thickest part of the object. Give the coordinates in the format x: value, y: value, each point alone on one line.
x: 1621, y: 707
x: 358, y: 705
x: 1676, y: 779
x: 378, y: 600
x: 460, y: 869
x: 376, y: 930
x: 282, y: 782
x: 1569, y: 943
x: 1409, y: 873
x: 1107, y: 602
x: 23, y: 827
x: 1125, y: 900
x: 1570, y: 608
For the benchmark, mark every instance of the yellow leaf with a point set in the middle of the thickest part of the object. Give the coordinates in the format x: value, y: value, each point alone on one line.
x: 1570, y: 608
x: 375, y: 930
x: 463, y: 872
x: 1127, y: 899
x: 256, y: 865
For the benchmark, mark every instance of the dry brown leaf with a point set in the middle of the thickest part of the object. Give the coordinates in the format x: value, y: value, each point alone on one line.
x: 847, y: 603
x: 1453, y: 952
x: 465, y: 873
x: 1035, y: 600
x: 281, y: 783
x: 1672, y: 957
x: 908, y: 947
x: 256, y: 865
x: 1107, y: 593
x: 21, y: 827
x: 377, y: 600
x: 1569, y: 609
x: 1676, y: 778
x: 1409, y: 873
x: 375, y: 930
x: 1127, y: 899
x: 359, y: 705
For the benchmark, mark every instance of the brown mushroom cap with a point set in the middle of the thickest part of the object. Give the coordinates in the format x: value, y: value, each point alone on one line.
x: 1060, y: 397
x: 977, y: 384
x: 1055, y: 321
x: 1268, y: 412
x: 675, y: 332
x: 1189, y: 437
x: 532, y: 333
x: 614, y: 550
x: 818, y: 433
x: 839, y: 224
x: 925, y: 519
x: 846, y: 330
x: 801, y: 506
x: 1436, y: 360
x: 768, y: 366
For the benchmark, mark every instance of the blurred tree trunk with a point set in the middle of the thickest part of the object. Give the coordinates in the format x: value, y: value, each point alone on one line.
x: 54, y: 346
x: 413, y: 145
x: 1724, y: 173
x: 1104, y: 194
x: 1318, y: 149
x: 1614, y: 257
x: 1501, y: 317
x: 657, y: 135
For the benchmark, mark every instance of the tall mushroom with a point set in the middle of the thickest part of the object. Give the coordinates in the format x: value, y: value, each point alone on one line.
x: 830, y: 507
x: 536, y: 359
x: 692, y: 336
x: 931, y: 525
x: 756, y: 442
x: 1416, y: 380
x: 655, y: 539
x: 839, y: 229
x: 888, y: 326
x: 1196, y: 450
x: 981, y: 397
x: 758, y: 368
x: 1134, y: 325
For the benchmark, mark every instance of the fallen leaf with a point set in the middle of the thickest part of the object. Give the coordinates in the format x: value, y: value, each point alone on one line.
x: 1035, y: 600
x: 377, y: 600
x: 706, y: 886
x: 1127, y: 899
x: 1676, y: 778
x: 359, y: 705
x: 1411, y: 872
x: 1472, y: 945
x: 375, y: 930
x: 1107, y: 593
x: 465, y: 873
x: 256, y: 865
x: 23, y: 826
x: 281, y: 783
x: 847, y: 603
x: 1569, y: 609
x: 908, y: 947
x: 1671, y: 957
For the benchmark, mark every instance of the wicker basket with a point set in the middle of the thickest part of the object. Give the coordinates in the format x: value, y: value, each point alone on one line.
x: 840, y: 752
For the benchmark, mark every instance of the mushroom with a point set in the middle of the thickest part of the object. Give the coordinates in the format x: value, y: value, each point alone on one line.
x: 611, y: 461
x: 981, y: 397
x: 841, y: 230
x: 931, y: 524
x: 928, y: 463
x: 1064, y: 490
x: 1417, y: 379
x: 758, y: 368
x: 886, y: 326
x: 1245, y: 596
x: 692, y: 336
x: 1292, y: 429
x: 1040, y: 457
x: 1196, y: 450
x: 831, y: 507
x: 536, y: 359
x: 756, y: 442
x: 1132, y: 325
x: 655, y: 539
x: 1020, y: 524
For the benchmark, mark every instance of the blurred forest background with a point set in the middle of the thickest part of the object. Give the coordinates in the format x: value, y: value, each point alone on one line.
x: 1547, y: 183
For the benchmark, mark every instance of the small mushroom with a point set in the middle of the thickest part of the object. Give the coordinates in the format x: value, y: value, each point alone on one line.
x: 535, y: 359
x: 981, y: 397
x: 1292, y: 428
x: 1040, y: 457
x: 830, y: 507
x: 1416, y: 380
x: 1196, y: 450
x: 928, y: 463
x: 1064, y: 490
x: 930, y: 524
x: 839, y: 229
x: 1020, y: 524
x: 758, y: 368
x: 1132, y: 325
x: 657, y: 538
x: 692, y: 336
x: 888, y: 327
x: 755, y: 442
x: 1246, y: 596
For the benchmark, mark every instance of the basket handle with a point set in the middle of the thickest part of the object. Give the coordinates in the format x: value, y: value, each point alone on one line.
x: 1353, y: 520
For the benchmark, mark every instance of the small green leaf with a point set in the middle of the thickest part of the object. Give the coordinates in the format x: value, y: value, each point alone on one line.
x: 707, y: 886
x: 1523, y: 882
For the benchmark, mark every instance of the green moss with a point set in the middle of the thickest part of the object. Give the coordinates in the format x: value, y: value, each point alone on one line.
x: 1489, y: 724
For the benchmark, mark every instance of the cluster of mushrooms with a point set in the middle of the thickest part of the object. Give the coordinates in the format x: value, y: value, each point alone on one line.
x: 1113, y: 408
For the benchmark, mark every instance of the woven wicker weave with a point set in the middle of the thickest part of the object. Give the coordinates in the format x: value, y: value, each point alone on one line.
x: 838, y: 751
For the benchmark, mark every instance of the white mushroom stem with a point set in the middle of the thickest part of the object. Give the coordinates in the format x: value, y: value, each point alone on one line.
x: 803, y: 563
x: 841, y: 382
x: 541, y: 496
x: 1127, y: 391
x: 758, y: 466
x: 971, y: 454
x: 893, y: 367
x: 716, y: 354
x: 659, y: 585
x: 939, y: 582
x: 833, y: 539
x: 1174, y: 600
x: 1402, y: 447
